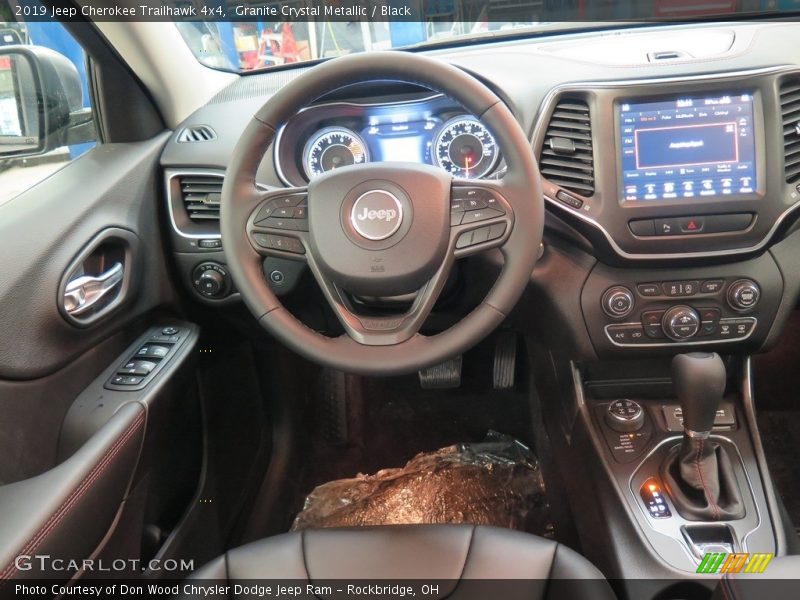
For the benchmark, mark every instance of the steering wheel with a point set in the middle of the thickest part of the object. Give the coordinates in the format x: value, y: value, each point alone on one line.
x: 382, y: 229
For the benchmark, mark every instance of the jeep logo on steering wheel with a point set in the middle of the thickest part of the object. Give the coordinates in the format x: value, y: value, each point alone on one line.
x: 376, y: 215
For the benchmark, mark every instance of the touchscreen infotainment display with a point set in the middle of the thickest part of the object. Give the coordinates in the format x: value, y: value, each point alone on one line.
x: 686, y: 148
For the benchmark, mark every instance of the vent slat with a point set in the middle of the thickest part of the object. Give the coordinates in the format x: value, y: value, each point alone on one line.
x: 573, y: 171
x: 201, y: 196
x: 790, y: 115
x: 197, y: 133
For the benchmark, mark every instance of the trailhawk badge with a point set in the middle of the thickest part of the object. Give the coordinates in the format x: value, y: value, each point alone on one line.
x: 376, y: 215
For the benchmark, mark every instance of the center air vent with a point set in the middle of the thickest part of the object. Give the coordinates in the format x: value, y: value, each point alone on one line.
x: 197, y: 133
x: 201, y: 195
x: 567, y: 159
x: 790, y: 114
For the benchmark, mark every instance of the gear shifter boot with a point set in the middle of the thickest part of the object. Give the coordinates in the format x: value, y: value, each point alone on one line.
x: 700, y: 479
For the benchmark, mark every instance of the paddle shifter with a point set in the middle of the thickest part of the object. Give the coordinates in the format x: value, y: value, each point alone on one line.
x: 699, y: 474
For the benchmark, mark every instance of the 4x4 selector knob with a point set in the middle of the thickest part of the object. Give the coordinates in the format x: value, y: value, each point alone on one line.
x: 681, y: 323
x: 618, y: 301
x: 625, y: 415
x: 743, y: 294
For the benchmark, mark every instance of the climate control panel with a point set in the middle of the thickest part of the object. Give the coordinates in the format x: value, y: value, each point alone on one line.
x: 638, y: 309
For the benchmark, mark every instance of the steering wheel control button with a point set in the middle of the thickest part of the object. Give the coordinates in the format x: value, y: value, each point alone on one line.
x: 618, y: 302
x: 484, y: 214
x: 376, y: 215
x: 285, y: 212
x: 625, y: 416
x: 279, y: 242
x: 743, y: 294
x: 487, y: 233
x: 681, y: 323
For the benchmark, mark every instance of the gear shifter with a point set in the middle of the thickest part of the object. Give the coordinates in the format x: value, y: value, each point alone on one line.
x: 699, y: 474
x: 699, y: 381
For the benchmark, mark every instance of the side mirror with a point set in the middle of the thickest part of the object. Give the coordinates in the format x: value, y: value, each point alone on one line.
x: 41, y: 102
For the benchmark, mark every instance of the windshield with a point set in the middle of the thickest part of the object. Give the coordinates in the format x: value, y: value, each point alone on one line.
x: 252, y: 35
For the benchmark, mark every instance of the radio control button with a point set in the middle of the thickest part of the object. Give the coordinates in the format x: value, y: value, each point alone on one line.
x: 649, y: 289
x: 743, y: 294
x: 618, y: 301
x: 712, y: 286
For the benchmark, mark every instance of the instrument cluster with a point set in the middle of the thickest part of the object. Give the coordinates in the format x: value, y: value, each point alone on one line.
x: 431, y: 130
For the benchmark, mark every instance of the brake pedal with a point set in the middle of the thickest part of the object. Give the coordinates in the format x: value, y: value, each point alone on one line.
x: 505, y: 361
x: 442, y: 376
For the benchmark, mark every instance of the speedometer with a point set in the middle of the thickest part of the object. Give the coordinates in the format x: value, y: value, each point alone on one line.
x: 332, y: 148
x: 465, y: 148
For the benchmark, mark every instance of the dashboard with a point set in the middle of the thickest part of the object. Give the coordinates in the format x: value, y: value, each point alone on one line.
x: 676, y: 182
x: 430, y: 130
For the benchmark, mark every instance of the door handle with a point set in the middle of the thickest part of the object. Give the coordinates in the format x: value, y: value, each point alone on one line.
x: 84, y: 292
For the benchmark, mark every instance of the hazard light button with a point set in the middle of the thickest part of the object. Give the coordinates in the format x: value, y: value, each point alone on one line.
x: 691, y: 224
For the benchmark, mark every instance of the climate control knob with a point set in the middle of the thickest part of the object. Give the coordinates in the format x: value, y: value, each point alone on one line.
x: 743, y: 294
x: 618, y: 301
x: 681, y: 323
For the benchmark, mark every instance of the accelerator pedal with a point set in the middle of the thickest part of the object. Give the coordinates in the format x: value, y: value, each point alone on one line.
x: 505, y: 360
x: 442, y: 376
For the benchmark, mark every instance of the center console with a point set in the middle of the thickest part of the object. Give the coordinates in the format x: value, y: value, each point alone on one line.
x: 642, y: 426
x: 680, y: 185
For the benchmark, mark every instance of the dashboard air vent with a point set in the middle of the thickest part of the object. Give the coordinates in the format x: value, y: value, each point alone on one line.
x: 197, y: 133
x: 567, y: 159
x: 201, y: 195
x: 790, y: 114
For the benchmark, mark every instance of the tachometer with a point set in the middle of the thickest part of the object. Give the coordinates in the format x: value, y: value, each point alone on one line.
x: 465, y: 148
x: 331, y: 148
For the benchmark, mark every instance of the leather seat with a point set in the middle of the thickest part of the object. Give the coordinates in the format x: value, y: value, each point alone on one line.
x: 781, y: 579
x: 464, y: 561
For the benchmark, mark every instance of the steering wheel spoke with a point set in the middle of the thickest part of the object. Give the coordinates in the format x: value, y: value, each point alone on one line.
x: 386, y: 329
x: 480, y: 216
x: 278, y: 226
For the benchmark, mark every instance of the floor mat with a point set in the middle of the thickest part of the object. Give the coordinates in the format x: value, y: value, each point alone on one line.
x: 391, y: 420
x: 780, y: 432
x: 496, y: 482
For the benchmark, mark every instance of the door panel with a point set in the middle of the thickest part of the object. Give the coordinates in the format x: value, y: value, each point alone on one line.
x: 43, y: 230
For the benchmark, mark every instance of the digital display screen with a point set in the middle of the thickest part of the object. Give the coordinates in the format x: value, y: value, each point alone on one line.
x: 403, y: 138
x: 687, y: 148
